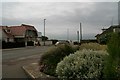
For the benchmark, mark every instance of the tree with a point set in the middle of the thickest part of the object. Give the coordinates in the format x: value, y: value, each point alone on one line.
x: 112, y: 70
x: 44, y: 38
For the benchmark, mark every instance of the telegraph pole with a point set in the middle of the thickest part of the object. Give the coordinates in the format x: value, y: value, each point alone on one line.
x: 80, y: 32
x: 78, y: 35
x: 44, y: 32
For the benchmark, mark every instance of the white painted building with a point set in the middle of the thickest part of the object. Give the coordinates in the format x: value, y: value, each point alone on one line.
x: 6, y: 34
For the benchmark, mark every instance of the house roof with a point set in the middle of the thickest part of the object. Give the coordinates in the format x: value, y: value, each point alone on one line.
x: 20, y: 30
x: 3, y: 27
x: 17, y: 30
x: 115, y: 26
x: 108, y: 29
x: 97, y: 35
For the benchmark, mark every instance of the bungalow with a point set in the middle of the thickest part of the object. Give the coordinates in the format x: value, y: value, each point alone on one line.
x: 24, y: 33
x: 104, y: 36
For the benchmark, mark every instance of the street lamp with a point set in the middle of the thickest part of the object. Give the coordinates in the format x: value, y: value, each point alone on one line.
x: 44, y: 32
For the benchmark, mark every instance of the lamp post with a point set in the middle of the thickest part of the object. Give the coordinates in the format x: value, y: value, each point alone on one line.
x: 44, y: 32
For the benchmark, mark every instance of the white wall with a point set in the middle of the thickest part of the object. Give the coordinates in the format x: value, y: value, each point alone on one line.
x: 4, y: 37
x: 46, y: 43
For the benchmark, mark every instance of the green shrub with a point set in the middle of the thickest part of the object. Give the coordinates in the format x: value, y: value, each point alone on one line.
x: 75, y: 47
x: 112, y: 65
x: 55, y: 54
x: 83, y: 64
x: 93, y: 46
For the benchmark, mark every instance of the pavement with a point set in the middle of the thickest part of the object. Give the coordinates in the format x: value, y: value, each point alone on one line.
x: 32, y: 70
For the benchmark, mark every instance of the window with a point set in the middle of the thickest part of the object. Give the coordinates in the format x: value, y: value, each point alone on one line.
x: 8, y: 30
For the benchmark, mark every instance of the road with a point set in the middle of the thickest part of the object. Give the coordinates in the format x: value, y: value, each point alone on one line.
x: 14, y: 59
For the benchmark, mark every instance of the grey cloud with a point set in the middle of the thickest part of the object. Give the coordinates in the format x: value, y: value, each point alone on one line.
x: 99, y: 18
x: 63, y: 16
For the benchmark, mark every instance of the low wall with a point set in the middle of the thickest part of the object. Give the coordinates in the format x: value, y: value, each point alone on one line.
x: 47, y: 43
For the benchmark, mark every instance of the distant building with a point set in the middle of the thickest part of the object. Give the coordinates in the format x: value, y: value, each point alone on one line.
x: 104, y: 36
x: 22, y: 33
x: 39, y: 36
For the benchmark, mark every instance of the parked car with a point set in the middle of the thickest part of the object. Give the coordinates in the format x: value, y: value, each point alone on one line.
x: 62, y: 42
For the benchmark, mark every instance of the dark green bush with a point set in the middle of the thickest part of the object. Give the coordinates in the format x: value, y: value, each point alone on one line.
x: 54, y: 55
x: 112, y: 65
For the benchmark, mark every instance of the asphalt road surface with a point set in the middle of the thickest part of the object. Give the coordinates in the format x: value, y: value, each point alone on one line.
x: 14, y: 59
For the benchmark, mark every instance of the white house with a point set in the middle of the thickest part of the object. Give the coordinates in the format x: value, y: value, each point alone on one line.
x: 6, y: 34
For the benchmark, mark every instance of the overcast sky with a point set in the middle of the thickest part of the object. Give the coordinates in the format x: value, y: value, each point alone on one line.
x: 62, y: 16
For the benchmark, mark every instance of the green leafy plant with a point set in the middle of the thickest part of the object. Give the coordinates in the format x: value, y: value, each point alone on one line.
x: 84, y: 64
x: 55, y: 54
x: 112, y: 65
